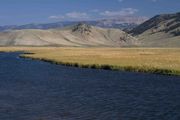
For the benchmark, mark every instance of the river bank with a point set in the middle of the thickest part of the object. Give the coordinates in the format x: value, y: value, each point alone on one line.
x: 148, y: 60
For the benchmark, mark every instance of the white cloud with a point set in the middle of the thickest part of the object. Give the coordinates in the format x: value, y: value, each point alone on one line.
x: 71, y: 16
x: 93, y: 14
x: 56, y: 17
x: 77, y: 15
x: 123, y: 12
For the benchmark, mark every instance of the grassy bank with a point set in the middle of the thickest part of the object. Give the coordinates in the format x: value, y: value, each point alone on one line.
x: 151, y: 60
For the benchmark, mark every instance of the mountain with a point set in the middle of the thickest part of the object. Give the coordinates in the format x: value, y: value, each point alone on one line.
x: 159, y: 31
x: 37, y: 26
x: 127, y: 22
x: 77, y: 35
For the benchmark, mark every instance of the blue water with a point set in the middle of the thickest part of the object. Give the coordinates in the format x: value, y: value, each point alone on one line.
x: 35, y: 90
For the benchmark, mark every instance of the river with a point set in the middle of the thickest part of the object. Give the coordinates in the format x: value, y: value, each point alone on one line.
x: 36, y: 90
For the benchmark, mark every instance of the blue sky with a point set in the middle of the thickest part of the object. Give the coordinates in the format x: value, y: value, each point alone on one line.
x: 43, y: 11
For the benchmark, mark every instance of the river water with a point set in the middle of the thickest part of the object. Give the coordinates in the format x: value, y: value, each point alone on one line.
x: 35, y: 90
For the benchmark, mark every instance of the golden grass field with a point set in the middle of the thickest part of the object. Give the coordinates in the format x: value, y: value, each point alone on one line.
x: 153, y: 60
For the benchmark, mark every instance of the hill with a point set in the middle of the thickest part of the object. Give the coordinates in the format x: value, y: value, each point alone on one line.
x: 159, y: 31
x: 77, y: 35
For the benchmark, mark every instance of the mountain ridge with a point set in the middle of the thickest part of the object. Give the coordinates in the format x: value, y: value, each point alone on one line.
x: 159, y: 31
x: 164, y: 19
x: 120, y: 23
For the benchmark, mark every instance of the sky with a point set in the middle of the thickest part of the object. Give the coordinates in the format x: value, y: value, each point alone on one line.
x: 18, y: 12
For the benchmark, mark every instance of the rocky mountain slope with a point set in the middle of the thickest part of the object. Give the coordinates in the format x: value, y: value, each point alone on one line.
x: 77, y: 35
x: 159, y: 31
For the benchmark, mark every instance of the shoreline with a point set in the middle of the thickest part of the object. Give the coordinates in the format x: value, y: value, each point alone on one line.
x: 141, y: 60
x: 107, y: 67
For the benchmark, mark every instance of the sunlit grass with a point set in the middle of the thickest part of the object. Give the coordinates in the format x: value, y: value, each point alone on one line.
x: 152, y: 60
